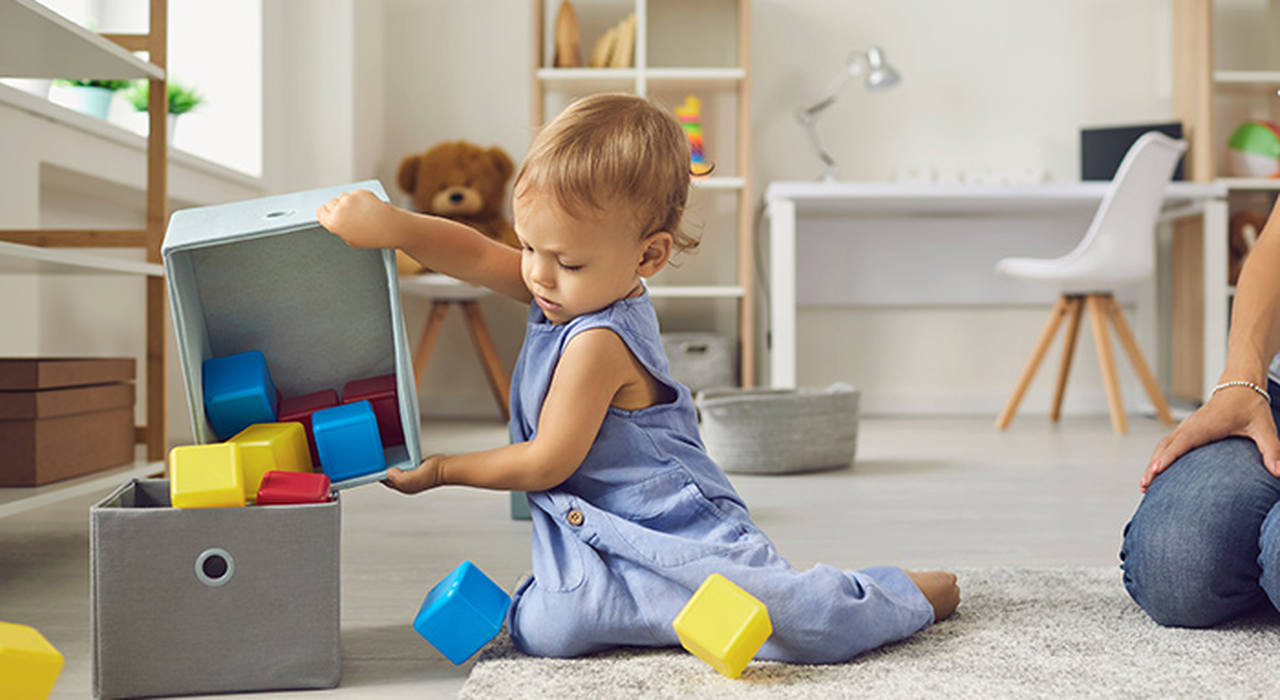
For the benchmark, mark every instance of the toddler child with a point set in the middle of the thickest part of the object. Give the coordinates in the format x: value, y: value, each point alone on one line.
x: 630, y: 515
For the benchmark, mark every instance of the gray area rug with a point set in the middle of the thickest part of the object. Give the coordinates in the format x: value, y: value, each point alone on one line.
x: 1018, y: 633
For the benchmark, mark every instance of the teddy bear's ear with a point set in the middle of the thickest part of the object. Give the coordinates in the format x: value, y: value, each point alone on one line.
x: 502, y: 162
x: 408, y: 175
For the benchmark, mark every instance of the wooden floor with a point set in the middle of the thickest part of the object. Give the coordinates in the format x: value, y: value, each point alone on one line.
x: 924, y: 493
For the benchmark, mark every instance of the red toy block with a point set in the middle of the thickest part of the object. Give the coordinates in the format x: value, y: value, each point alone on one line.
x: 299, y: 409
x: 283, y: 488
x: 380, y: 392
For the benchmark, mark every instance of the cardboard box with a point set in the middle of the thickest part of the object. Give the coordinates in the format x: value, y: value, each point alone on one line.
x: 56, y: 433
x: 264, y: 275
x: 211, y: 600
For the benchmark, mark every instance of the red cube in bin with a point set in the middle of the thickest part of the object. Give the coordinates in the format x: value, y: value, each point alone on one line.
x: 284, y: 488
x: 380, y: 392
x: 298, y: 409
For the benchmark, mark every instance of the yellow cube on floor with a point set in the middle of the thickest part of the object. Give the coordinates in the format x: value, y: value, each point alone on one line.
x: 723, y: 625
x: 206, y: 476
x: 29, y: 665
x: 268, y: 447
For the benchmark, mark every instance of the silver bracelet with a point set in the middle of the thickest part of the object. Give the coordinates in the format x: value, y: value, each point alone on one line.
x: 1266, y: 397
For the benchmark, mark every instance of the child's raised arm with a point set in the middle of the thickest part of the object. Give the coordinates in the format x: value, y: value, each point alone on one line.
x: 593, y: 368
x: 364, y: 221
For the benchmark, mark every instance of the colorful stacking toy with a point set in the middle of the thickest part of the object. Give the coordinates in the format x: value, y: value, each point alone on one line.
x: 288, y: 488
x: 380, y: 392
x: 238, y: 392
x: 266, y: 447
x: 723, y: 625
x: 690, y: 116
x: 462, y: 613
x: 299, y: 409
x: 29, y: 664
x: 347, y: 440
x: 206, y: 476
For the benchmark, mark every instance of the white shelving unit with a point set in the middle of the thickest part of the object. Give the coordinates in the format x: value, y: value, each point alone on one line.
x: 650, y: 74
x: 36, y: 42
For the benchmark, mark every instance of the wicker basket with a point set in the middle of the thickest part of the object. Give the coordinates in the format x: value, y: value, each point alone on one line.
x: 780, y: 431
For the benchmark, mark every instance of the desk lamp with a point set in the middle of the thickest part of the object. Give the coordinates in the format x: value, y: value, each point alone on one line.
x: 879, y: 76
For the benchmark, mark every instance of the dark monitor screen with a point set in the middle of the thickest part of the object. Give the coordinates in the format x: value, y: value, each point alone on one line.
x: 1102, y: 149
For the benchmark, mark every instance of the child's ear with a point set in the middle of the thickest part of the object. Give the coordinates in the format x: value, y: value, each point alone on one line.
x: 656, y: 253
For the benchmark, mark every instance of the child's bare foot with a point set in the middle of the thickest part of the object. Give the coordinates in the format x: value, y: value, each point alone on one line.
x: 941, y: 590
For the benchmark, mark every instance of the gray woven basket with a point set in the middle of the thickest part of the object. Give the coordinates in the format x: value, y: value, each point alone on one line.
x: 780, y: 431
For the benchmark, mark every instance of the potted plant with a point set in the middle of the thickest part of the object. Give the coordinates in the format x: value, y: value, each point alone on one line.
x: 182, y: 99
x: 92, y: 97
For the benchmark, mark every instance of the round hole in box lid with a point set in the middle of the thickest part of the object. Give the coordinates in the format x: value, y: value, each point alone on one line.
x: 214, y: 567
x: 278, y: 214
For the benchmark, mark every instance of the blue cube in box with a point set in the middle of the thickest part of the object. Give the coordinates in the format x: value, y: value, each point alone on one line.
x: 238, y: 392
x: 348, y: 441
x: 263, y: 276
x: 462, y: 613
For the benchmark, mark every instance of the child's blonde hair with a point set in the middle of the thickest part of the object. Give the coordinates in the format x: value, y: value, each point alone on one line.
x: 611, y: 148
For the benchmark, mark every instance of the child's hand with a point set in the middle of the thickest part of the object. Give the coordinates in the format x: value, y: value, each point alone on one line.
x: 427, y: 475
x: 941, y: 590
x: 359, y: 218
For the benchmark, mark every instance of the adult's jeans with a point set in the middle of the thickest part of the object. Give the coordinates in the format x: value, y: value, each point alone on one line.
x: 1204, y: 544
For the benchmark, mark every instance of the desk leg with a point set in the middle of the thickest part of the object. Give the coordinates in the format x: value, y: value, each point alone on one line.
x: 782, y: 288
x: 1215, y: 293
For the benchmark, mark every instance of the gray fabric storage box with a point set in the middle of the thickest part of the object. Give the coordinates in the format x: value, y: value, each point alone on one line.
x: 780, y: 431
x: 211, y: 600
x: 701, y: 360
x: 264, y: 275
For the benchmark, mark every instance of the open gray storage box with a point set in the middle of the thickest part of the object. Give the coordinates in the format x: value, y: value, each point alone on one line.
x: 263, y: 274
x: 210, y: 600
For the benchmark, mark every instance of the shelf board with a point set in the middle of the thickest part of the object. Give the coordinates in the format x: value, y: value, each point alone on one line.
x: 664, y: 291
x: 709, y: 77
x: 19, y: 499
x: 1250, y: 183
x: 16, y: 258
x: 36, y: 42
x: 588, y: 79
x: 718, y: 183
x: 1247, y: 78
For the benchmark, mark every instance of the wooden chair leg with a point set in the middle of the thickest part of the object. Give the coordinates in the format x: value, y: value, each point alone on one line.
x: 1139, y: 364
x: 1097, y: 320
x: 498, y: 380
x: 1029, y: 372
x: 427, y: 341
x: 1075, y: 306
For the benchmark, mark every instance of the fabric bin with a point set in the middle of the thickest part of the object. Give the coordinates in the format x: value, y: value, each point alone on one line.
x: 264, y: 275
x: 701, y: 360
x: 780, y: 431
x: 211, y: 600
x: 64, y: 417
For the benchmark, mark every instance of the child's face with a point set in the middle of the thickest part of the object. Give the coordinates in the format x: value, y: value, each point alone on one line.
x: 576, y: 266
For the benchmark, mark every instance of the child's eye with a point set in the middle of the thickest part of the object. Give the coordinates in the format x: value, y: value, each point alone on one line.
x: 570, y: 268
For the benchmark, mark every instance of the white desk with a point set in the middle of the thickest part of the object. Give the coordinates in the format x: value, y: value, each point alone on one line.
x: 784, y: 200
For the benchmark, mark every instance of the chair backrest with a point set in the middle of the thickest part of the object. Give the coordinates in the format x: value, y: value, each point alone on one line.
x: 1121, y: 237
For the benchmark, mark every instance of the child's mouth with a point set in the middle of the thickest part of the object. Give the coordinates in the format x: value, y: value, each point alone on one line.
x: 547, y: 304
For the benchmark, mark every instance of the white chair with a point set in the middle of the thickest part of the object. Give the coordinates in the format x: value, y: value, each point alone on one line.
x: 445, y: 291
x: 1118, y: 250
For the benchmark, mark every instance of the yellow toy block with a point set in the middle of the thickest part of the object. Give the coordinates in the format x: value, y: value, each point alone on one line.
x: 723, y: 625
x: 29, y: 665
x: 268, y: 447
x: 206, y: 476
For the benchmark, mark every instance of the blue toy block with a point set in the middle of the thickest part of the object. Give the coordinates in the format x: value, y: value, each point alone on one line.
x: 347, y: 440
x: 462, y: 613
x: 238, y: 392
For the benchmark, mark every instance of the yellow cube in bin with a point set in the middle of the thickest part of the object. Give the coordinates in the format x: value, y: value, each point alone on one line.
x: 723, y: 625
x: 206, y: 476
x: 29, y: 664
x: 266, y: 447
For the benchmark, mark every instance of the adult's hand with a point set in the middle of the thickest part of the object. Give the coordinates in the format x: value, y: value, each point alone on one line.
x: 1233, y: 411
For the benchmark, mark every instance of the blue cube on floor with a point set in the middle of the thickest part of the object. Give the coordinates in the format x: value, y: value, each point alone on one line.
x: 238, y: 392
x: 347, y: 440
x: 462, y: 613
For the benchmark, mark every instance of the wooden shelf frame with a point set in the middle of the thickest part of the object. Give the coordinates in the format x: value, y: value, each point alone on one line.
x: 638, y: 79
x: 63, y: 49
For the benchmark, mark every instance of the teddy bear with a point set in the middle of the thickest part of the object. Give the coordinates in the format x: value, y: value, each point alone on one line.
x: 461, y: 181
x: 1242, y: 233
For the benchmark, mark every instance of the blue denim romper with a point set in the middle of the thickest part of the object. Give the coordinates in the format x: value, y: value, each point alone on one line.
x: 621, y: 545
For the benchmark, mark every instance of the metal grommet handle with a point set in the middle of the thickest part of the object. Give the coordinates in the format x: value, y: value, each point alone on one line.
x: 214, y: 567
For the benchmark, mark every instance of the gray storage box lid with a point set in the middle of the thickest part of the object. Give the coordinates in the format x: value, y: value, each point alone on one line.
x: 263, y: 274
